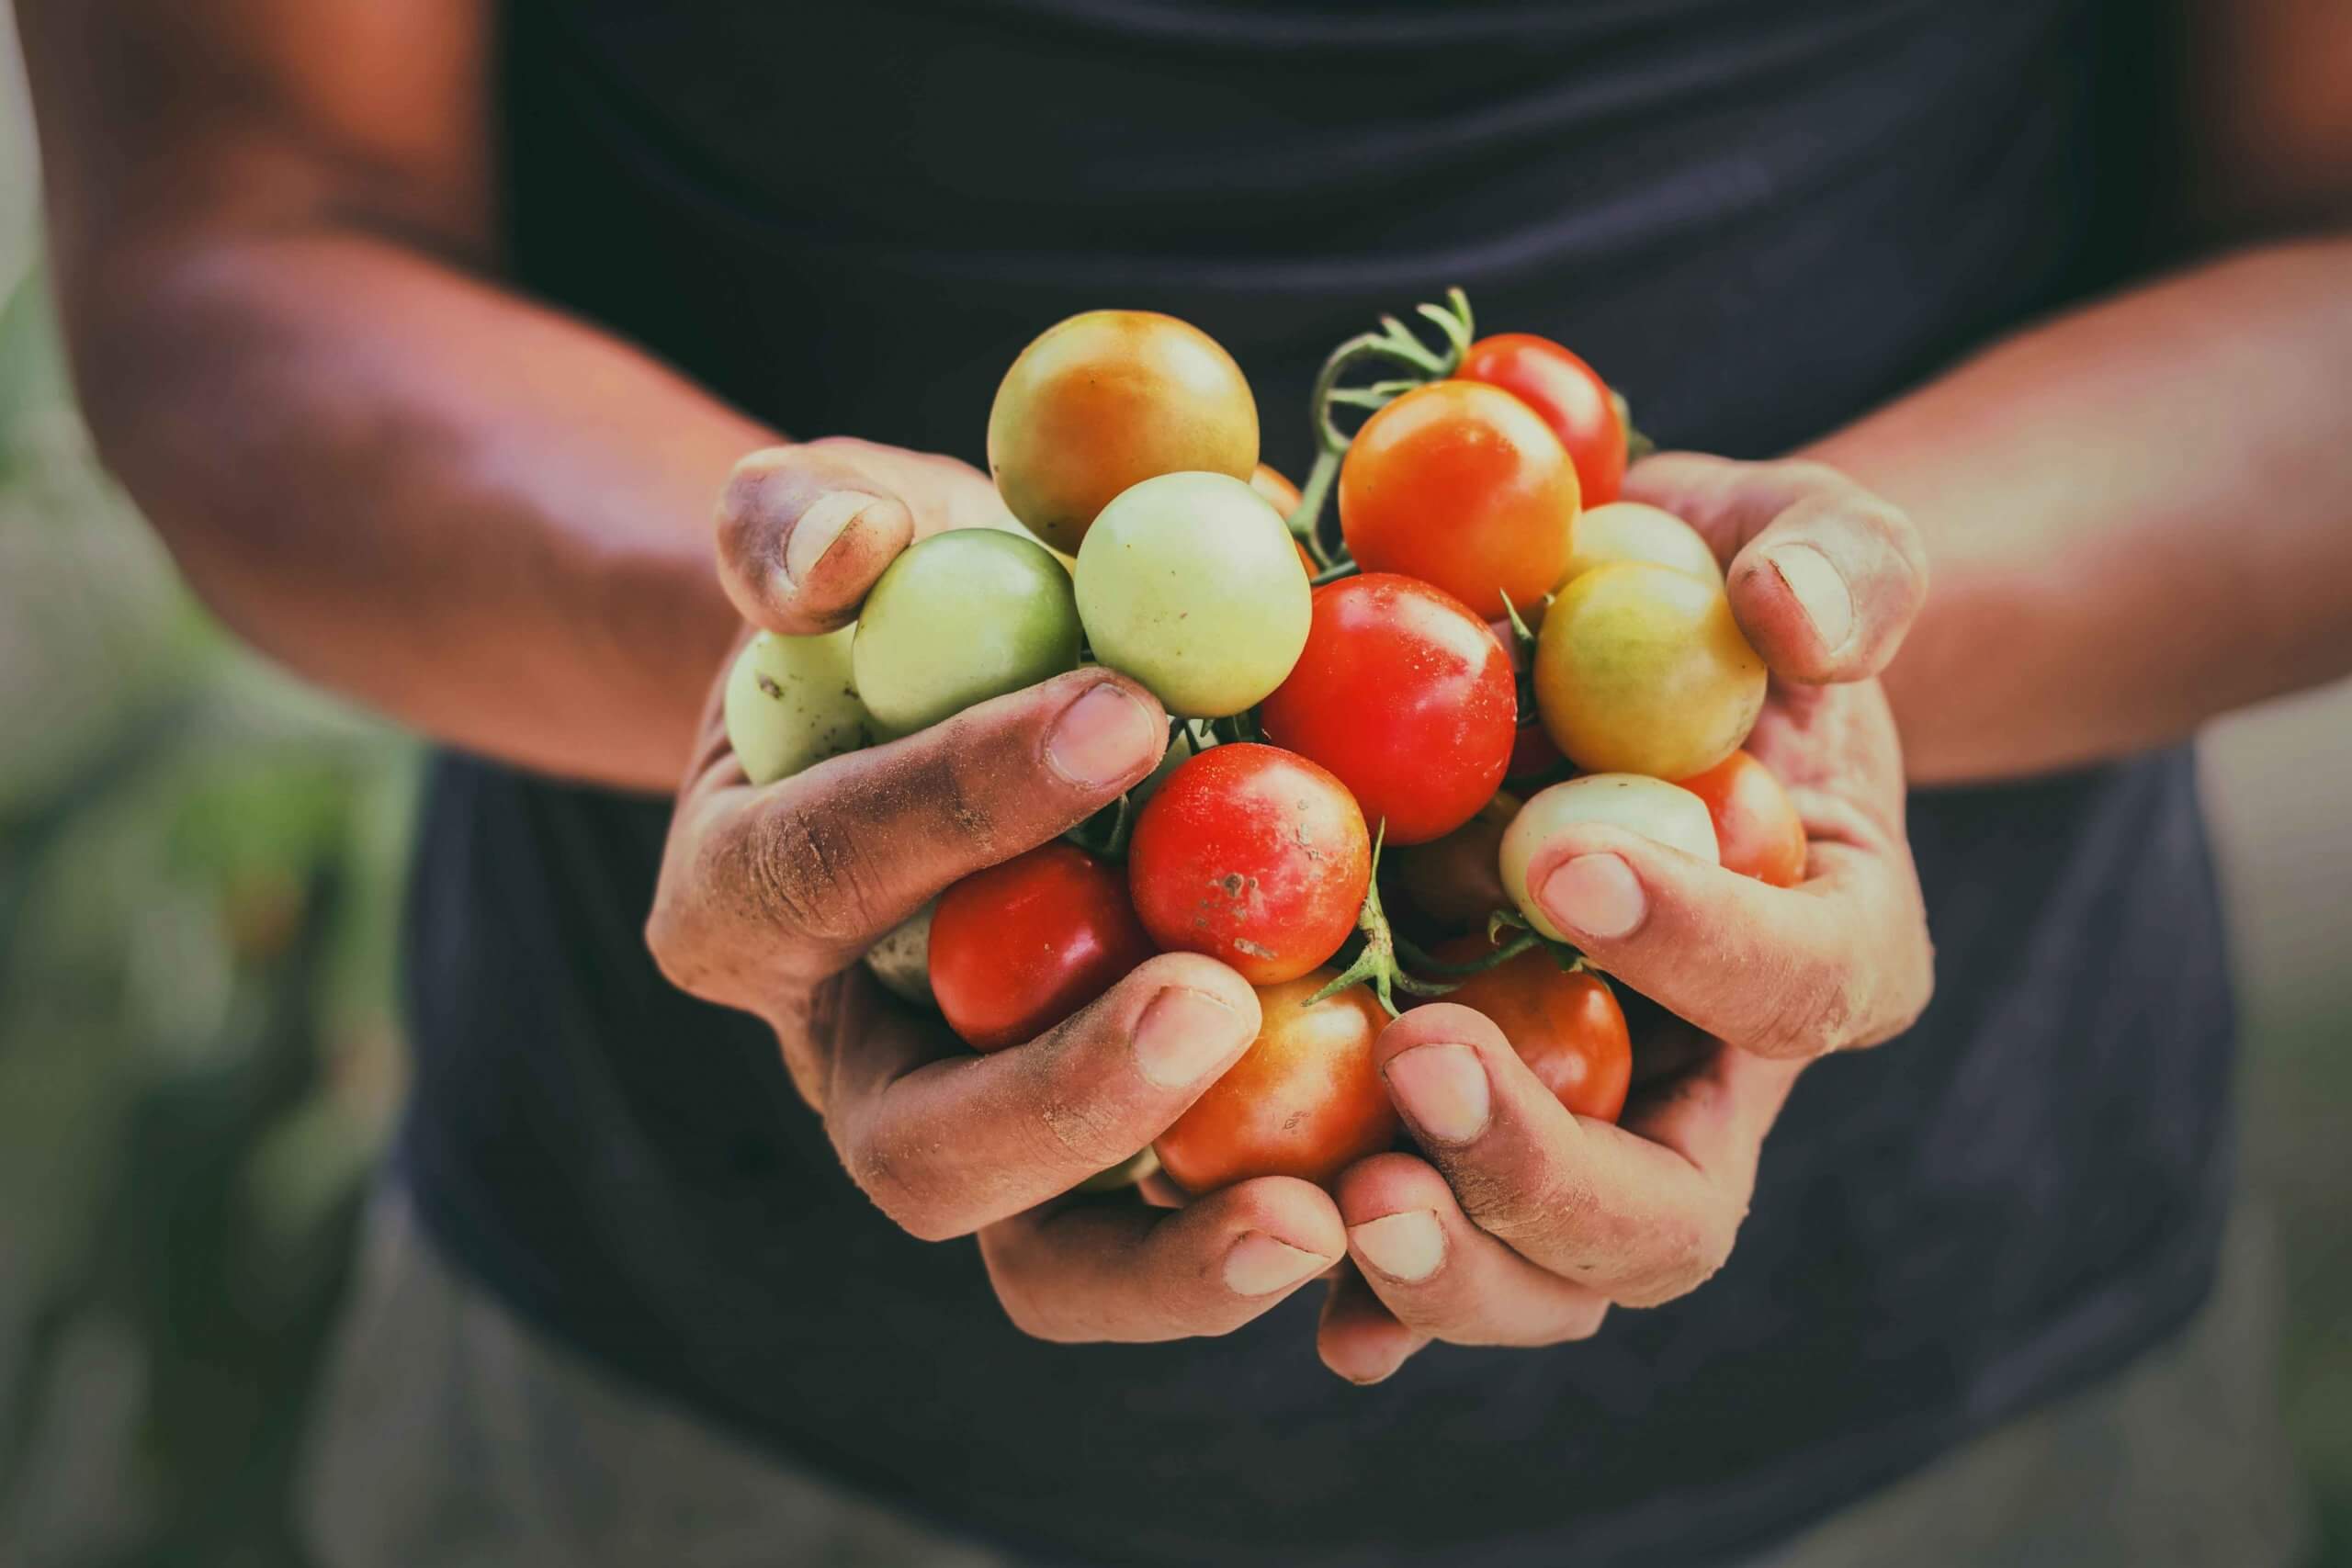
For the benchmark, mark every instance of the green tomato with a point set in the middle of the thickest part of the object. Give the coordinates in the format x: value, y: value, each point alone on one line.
x: 790, y: 704
x: 1190, y: 584
x: 961, y: 618
x: 1652, y: 807
x: 900, y: 958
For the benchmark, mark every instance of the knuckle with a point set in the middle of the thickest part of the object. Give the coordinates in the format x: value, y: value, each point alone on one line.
x: 907, y: 1203
x: 800, y: 867
x: 1814, y: 475
x: 1689, y: 1250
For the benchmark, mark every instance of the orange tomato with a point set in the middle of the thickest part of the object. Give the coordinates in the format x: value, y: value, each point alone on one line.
x: 1462, y: 485
x: 1565, y: 1026
x: 1304, y: 1100
x: 1757, y: 830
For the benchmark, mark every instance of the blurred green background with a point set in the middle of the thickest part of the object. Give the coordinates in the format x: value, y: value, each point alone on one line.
x: 200, y: 862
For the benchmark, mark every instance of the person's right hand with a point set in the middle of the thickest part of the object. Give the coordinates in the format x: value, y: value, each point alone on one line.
x: 768, y: 897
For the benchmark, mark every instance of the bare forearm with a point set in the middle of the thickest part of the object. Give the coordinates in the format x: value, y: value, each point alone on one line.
x: 488, y: 520
x: 2138, y: 516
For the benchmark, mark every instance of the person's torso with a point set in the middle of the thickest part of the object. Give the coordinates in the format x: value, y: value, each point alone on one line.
x: 1758, y: 220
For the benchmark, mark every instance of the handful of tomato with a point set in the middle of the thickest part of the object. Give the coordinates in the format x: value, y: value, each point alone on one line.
x: 1484, y: 611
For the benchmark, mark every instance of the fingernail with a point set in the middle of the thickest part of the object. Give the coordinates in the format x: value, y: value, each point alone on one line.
x: 1407, y: 1246
x: 1258, y: 1266
x: 1442, y: 1089
x: 1598, y: 895
x: 1104, y: 737
x: 1820, y: 591
x: 817, y: 530
x: 1183, y: 1035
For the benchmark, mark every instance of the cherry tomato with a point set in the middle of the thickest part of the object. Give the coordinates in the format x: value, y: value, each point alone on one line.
x: 1756, y: 826
x: 1574, y: 400
x: 1667, y: 813
x: 1019, y: 947
x: 1106, y: 400
x: 1254, y: 856
x: 1640, y: 669
x: 1304, y: 1100
x: 791, y: 703
x: 1283, y: 497
x: 1565, y: 1025
x: 1461, y: 484
x: 1187, y: 583
x: 1404, y: 695
x: 959, y: 618
x: 1627, y: 530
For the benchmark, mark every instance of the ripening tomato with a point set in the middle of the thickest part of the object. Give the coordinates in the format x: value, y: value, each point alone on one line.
x: 1461, y: 484
x: 1406, y: 696
x: 1652, y: 807
x: 1531, y: 753
x: 1106, y: 400
x: 1757, y: 827
x: 1565, y: 1025
x: 1304, y: 1100
x: 1572, y: 397
x: 1019, y: 947
x: 1255, y: 857
x: 1640, y: 668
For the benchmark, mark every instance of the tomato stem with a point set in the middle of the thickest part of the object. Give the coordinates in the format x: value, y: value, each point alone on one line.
x: 1397, y: 345
x: 1525, y: 942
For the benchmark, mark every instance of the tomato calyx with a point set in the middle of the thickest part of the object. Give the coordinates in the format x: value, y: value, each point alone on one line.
x: 1394, y: 345
x: 1374, y: 964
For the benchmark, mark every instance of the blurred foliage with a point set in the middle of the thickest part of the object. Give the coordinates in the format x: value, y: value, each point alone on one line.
x: 199, y: 868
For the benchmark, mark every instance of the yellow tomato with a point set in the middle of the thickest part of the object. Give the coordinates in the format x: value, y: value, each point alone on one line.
x: 1640, y: 669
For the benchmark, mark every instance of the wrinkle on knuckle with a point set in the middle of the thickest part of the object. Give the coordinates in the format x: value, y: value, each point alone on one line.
x: 883, y: 1175
x: 801, y: 868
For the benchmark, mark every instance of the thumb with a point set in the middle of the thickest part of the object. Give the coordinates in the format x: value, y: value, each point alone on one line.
x: 802, y: 535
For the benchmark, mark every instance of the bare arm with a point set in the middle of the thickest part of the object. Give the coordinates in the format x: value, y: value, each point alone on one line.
x: 273, y: 222
x: 2140, y: 516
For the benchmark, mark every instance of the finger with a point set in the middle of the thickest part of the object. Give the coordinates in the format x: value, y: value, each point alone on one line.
x: 946, y: 1141
x: 1825, y: 577
x: 803, y: 533
x: 831, y: 858
x: 1358, y: 1336
x: 1442, y: 1276
x: 1638, y: 1215
x: 1842, y: 959
x: 1124, y: 1272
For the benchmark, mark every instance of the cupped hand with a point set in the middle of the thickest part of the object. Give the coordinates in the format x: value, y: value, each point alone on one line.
x: 1518, y: 1224
x: 768, y: 897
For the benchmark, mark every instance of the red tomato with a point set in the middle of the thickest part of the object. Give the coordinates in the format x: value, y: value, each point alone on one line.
x: 1573, y: 400
x: 1304, y: 1100
x: 1254, y: 856
x: 1406, y: 696
x: 1461, y: 484
x: 1566, y: 1027
x: 1756, y: 826
x: 1019, y: 947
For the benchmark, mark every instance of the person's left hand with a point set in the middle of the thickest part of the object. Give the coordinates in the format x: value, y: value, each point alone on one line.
x: 1524, y: 1223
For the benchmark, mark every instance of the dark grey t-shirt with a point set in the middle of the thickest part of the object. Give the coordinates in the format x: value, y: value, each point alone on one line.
x: 1758, y: 220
